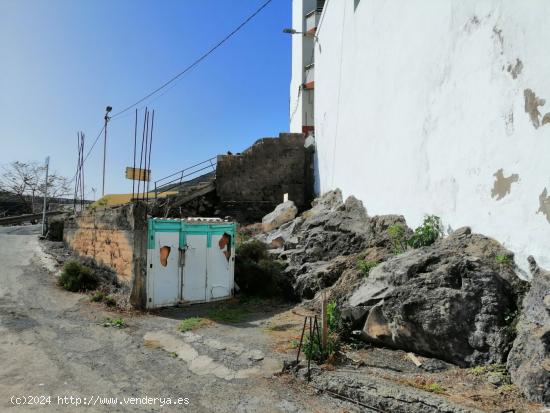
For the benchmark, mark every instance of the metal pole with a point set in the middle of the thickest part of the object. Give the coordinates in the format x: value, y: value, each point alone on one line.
x: 45, y: 197
x: 107, y: 110
x: 104, y: 155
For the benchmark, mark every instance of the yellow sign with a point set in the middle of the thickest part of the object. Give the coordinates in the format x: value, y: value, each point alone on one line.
x: 137, y: 174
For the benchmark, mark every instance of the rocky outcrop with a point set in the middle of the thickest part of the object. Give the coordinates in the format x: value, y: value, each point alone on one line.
x: 529, y: 359
x: 315, y: 243
x: 452, y: 300
x: 282, y: 214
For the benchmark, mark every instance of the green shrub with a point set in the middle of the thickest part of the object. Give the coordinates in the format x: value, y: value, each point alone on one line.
x: 427, y: 233
x: 257, y: 273
x: 110, y: 301
x: 398, y: 239
x: 77, y: 277
x: 366, y: 265
x: 98, y: 296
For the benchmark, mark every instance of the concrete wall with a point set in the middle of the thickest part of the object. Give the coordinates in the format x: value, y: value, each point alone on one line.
x: 254, y: 182
x: 301, y: 100
x: 115, y: 238
x: 438, y: 107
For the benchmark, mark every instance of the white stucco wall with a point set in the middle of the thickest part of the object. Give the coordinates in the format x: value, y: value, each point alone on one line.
x: 416, y: 110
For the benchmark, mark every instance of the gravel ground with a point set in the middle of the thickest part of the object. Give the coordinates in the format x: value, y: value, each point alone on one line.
x: 54, y: 343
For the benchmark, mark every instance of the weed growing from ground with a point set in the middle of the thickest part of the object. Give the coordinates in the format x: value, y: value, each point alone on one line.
x: 433, y: 388
x: 98, y: 296
x: 191, y: 323
x: 228, y: 315
x: 504, y: 260
x: 114, y: 322
x: 366, y: 265
x: 110, y: 301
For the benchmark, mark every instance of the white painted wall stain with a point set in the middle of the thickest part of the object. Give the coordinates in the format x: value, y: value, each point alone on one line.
x: 416, y: 109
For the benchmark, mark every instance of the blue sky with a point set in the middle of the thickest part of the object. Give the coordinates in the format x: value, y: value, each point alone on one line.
x: 63, y: 61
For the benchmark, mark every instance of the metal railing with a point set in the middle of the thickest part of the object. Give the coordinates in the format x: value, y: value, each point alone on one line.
x: 177, y: 178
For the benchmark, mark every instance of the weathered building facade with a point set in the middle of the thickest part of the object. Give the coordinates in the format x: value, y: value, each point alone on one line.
x: 437, y: 107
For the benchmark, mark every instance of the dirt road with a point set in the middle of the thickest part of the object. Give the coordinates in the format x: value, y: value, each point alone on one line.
x: 53, y: 343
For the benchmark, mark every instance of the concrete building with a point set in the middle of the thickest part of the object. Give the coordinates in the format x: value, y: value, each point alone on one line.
x: 305, y: 17
x: 435, y: 107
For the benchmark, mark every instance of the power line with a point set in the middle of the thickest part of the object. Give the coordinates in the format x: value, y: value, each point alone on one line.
x: 197, y: 61
x: 176, y: 77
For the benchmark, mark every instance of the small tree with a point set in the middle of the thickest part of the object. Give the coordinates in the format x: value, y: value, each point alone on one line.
x: 26, y: 181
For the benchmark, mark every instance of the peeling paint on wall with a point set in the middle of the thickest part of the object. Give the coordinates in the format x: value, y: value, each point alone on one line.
x: 499, y: 37
x: 544, y: 204
x: 546, y: 119
x: 532, y: 103
x: 509, y: 122
x: 516, y: 69
x: 502, y: 185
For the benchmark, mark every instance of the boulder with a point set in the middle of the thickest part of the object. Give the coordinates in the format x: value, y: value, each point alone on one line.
x: 283, y: 213
x: 314, y: 243
x: 452, y: 300
x: 529, y: 359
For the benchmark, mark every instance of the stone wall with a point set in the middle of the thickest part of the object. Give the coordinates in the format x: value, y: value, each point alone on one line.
x: 115, y: 238
x: 256, y: 180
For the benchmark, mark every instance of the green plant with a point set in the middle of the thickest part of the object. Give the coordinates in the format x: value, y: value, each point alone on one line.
x: 314, y: 351
x: 228, y: 315
x: 334, y: 319
x: 110, y: 301
x: 433, y: 387
x: 507, y: 388
x: 396, y: 232
x: 114, y: 322
x: 173, y: 354
x: 77, y: 277
x: 366, y: 265
x: 191, y: 323
x: 504, y: 259
x: 489, y: 368
x: 98, y: 296
x: 256, y: 272
x: 427, y: 233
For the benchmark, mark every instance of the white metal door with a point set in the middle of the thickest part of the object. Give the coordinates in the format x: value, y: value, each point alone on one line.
x: 194, y: 273
x: 165, y: 273
x: 219, y: 264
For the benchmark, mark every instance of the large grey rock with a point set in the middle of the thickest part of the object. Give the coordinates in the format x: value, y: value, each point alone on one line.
x: 313, y: 243
x: 529, y: 359
x: 283, y: 213
x: 451, y: 300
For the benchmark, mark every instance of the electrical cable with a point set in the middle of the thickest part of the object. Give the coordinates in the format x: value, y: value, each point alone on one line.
x: 176, y: 77
x: 196, y: 62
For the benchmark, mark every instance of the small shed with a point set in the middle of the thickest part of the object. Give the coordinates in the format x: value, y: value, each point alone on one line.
x: 189, y: 260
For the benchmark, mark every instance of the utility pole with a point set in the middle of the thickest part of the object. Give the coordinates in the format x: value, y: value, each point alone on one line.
x: 107, y: 110
x: 45, y: 198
